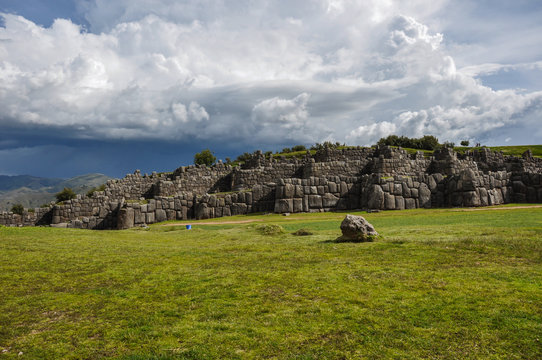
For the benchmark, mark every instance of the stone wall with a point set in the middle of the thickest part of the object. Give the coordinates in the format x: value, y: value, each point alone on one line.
x: 349, y: 154
x: 317, y: 194
x: 96, y: 212
x: 30, y: 217
x: 244, y: 179
x: 133, y: 186
x: 199, y: 180
x: 381, y: 178
x: 466, y: 189
x: 332, y: 168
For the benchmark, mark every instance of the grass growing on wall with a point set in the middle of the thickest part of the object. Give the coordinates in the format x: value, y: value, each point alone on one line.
x: 509, y: 150
x: 437, y: 284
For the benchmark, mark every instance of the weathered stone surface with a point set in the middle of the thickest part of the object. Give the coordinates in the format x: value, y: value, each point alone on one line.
x: 160, y: 215
x: 289, y: 191
x: 410, y: 203
x: 356, y: 228
x: 329, y: 200
x: 399, y: 203
x: 471, y: 198
x: 202, y: 211
x: 315, y: 201
x: 376, y: 197
x: 484, y: 201
x: 389, y: 202
x: 298, y: 205
x: 424, y: 195
x: 171, y: 214
x: 125, y: 219
x: 284, y: 206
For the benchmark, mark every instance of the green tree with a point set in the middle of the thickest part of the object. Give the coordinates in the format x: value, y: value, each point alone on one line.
x: 205, y: 157
x: 17, y: 209
x: 64, y: 195
x: 428, y: 142
x: 465, y: 143
x: 244, y: 157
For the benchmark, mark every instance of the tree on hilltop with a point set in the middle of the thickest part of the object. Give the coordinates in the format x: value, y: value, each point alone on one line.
x: 205, y: 157
x: 427, y: 142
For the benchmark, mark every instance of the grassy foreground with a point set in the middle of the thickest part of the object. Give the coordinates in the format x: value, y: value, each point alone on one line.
x: 439, y: 284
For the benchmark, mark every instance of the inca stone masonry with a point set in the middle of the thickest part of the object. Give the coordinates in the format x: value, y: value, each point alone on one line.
x: 381, y: 178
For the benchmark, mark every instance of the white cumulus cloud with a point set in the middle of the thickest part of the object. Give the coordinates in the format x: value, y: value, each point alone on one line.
x: 201, y: 69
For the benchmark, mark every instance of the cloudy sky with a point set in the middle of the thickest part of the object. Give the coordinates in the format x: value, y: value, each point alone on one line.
x: 112, y: 86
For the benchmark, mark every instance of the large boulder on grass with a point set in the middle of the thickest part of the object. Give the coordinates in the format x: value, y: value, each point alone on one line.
x: 356, y: 228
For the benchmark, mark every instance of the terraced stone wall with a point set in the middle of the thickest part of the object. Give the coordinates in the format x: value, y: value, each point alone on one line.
x: 30, y: 217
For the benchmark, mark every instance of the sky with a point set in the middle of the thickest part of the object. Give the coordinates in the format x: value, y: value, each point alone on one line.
x: 113, y: 86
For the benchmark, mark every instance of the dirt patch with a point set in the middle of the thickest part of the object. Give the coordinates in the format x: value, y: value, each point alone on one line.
x: 197, y: 222
x: 499, y: 208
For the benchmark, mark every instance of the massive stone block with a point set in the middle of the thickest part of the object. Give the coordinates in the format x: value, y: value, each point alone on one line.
x: 389, y: 202
x: 315, y: 201
x: 160, y: 215
x: 202, y: 211
x: 284, y: 206
x: 399, y: 203
x: 329, y: 200
x: 375, y: 197
x: 410, y: 203
x: 471, y: 198
x: 125, y: 219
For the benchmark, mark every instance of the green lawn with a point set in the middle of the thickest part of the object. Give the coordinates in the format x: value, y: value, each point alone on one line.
x: 510, y: 150
x: 438, y: 284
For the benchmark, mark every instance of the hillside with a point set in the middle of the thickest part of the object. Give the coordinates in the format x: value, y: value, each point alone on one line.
x: 32, y: 191
x: 8, y: 183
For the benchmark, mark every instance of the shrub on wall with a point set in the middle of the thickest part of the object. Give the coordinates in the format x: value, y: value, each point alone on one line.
x: 94, y: 189
x: 66, y: 194
x: 205, y: 157
x: 17, y: 209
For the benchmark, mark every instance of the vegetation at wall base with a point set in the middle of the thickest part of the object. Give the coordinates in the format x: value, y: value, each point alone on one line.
x: 438, y: 284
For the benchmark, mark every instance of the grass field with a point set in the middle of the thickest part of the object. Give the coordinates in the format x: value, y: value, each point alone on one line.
x: 437, y: 284
x: 510, y: 150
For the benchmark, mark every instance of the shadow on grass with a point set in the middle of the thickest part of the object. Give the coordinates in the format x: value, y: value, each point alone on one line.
x: 342, y: 239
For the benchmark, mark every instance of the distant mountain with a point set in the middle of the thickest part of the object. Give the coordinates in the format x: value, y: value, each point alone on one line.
x: 32, y: 191
x: 8, y: 183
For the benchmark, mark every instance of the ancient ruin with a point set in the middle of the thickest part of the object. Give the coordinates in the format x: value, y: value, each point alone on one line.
x: 383, y: 178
